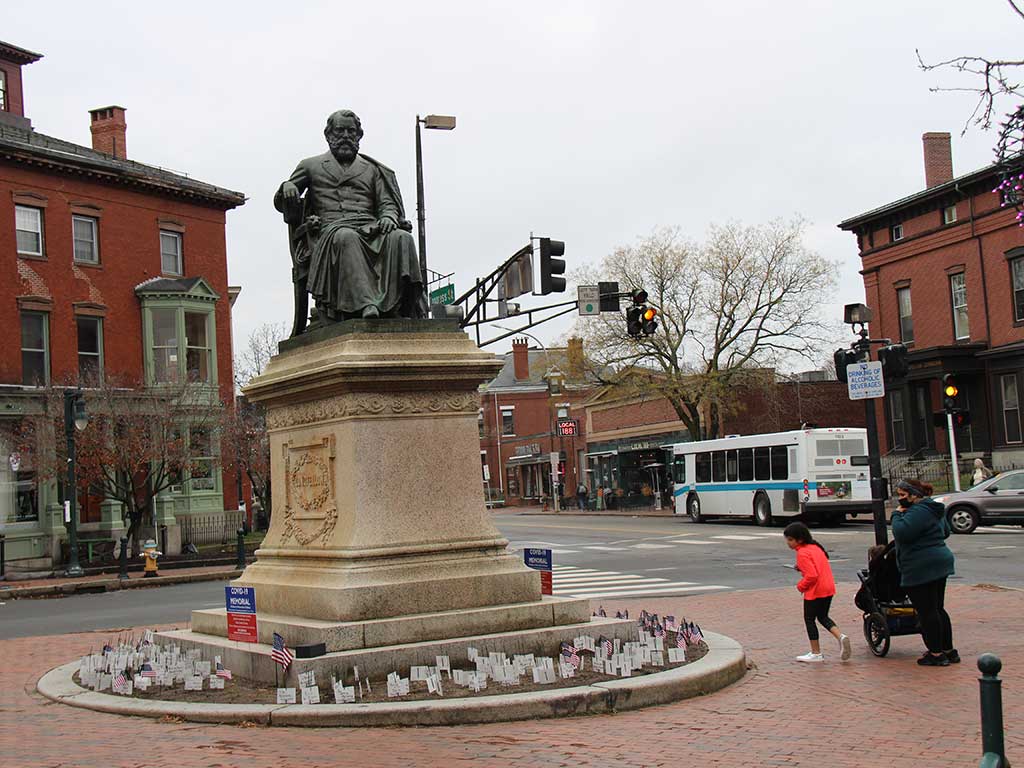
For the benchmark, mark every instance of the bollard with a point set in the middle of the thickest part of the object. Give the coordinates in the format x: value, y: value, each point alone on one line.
x: 163, y: 539
x: 992, y: 746
x: 122, y: 559
x: 3, y: 553
x: 241, y: 549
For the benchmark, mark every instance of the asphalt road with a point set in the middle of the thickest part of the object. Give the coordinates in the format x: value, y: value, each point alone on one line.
x: 597, y: 557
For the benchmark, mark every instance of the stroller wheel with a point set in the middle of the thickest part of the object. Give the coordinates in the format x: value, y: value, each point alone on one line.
x: 876, y: 632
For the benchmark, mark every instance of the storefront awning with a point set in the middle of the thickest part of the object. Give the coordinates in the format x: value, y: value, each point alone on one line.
x: 519, y: 460
x: 595, y: 454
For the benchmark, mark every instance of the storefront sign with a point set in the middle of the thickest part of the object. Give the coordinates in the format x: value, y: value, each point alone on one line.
x: 568, y: 427
x: 540, y: 560
x: 241, y: 608
x: 526, y: 450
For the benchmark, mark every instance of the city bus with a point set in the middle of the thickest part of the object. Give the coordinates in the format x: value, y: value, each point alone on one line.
x: 819, y: 475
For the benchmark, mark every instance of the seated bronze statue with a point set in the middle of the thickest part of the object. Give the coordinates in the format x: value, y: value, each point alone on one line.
x: 350, y: 242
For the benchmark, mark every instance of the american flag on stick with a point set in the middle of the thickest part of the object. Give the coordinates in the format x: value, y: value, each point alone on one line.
x: 571, y: 655
x: 120, y: 681
x: 606, y: 645
x: 696, y: 633
x: 147, y: 670
x: 222, y: 672
x: 280, y: 653
x: 680, y: 639
x: 670, y: 622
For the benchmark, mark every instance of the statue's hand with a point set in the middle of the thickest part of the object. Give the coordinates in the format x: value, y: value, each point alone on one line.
x: 289, y: 192
x: 386, y: 225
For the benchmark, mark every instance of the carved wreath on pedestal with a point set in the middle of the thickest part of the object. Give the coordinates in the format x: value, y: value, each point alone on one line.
x: 310, y: 510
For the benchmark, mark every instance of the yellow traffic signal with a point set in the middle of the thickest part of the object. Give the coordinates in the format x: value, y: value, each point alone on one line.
x: 950, y: 389
x: 650, y: 313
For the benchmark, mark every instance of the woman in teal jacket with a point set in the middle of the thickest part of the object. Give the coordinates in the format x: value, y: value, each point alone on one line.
x: 920, y: 529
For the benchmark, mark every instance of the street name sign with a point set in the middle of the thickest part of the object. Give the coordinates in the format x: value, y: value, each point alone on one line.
x: 864, y: 380
x: 241, y: 608
x: 540, y: 560
x: 590, y: 300
x: 443, y: 295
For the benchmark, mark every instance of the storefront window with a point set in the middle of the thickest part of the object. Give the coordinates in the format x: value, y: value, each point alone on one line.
x: 19, y: 489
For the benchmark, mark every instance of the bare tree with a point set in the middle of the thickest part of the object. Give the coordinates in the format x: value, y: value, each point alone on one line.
x: 728, y: 308
x: 999, y: 87
x: 252, y: 359
x: 138, y: 443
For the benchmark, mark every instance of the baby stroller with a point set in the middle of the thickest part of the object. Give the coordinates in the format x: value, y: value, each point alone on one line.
x: 887, y: 610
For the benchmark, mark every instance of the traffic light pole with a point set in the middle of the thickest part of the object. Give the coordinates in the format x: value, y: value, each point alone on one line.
x: 863, y: 347
x: 952, y: 451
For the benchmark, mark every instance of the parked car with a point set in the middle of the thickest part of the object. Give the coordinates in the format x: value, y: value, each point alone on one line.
x: 995, y: 501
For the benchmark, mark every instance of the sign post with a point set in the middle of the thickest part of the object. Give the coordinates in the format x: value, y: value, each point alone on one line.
x: 555, y: 493
x: 540, y: 560
x: 865, y: 382
x: 241, y: 608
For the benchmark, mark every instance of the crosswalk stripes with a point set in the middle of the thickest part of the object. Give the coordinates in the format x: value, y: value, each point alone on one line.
x: 573, y: 581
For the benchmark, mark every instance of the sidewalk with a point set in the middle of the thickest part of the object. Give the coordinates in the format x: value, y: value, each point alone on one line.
x: 62, y: 586
x: 884, y: 713
x: 535, y: 510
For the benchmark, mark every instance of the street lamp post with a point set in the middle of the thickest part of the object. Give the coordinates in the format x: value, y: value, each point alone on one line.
x: 75, y: 418
x: 438, y: 123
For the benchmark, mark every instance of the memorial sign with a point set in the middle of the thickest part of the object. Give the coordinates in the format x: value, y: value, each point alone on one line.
x: 540, y: 560
x: 241, y: 608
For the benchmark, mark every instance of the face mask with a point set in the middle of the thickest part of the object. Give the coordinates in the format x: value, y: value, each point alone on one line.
x: 905, y: 502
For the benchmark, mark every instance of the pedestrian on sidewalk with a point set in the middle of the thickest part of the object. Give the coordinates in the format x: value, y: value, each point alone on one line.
x: 581, y: 495
x: 981, y: 472
x: 818, y: 587
x: 920, y: 528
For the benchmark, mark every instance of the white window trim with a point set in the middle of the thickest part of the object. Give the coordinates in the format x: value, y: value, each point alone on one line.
x: 901, y: 316
x: 1016, y: 265
x: 893, y: 230
x: 180, y: 254
x: 42, y: 238
x: 954, y: 305
x: 949, y: 219
x: 45, y: 350
x: 95, y: 239
x: 1002, y: 403
x: 99, y: 347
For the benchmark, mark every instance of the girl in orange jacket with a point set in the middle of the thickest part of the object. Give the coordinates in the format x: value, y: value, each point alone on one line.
x: 818, y: 588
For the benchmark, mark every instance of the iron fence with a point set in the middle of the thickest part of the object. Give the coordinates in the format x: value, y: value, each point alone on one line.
x: 217, y: 528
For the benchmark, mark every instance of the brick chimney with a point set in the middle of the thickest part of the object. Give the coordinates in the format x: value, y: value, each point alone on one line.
x: 574, y: 357
x: 938, y: 159
x: 108, y: 131
x: 520, y: 359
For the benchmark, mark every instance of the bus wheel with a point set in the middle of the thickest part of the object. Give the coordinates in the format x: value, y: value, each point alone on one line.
x: 762, y: 510
x: 693, y: 507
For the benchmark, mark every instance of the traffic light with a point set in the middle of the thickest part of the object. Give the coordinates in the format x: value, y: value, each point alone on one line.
x: 843, y: 358
x: 550, y: 266
x: 961, y: 418
x: 635, y: 321
x: 894, y: 361
x: 608, y: 296
x: 650, y: 325
x: 639, y: 296
x: 949, y: 392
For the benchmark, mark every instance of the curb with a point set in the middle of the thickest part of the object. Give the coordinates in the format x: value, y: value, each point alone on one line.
x: 68, y: 588
x: 724, y: 664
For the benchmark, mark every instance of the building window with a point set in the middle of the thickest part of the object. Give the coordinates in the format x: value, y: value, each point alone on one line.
x: 19, y: 489
x: 1017, y: 272
x: 198, y: 352
x: 165, y: 346
x: 90, y: 351
x: 906, y: 316
x: 899, y: 432
x: 480, y: 422
x: 3, y: 91
x: 86, y: 236
x: 29, y: 225
x: 949, y: 214
x: 958, y: 287
x: 508, y: 423
x: 1011, y: 408
x: 35, y: 358
x: 896, y: 232
x: 170, y: 253
x: 201, y: 471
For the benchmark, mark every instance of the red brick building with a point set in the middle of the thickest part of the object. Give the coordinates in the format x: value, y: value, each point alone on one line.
x: 944, y: 272
x: 519, y: 414
x: 112, y: 270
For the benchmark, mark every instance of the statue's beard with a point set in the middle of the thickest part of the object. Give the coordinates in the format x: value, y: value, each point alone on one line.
x: 344, y: 149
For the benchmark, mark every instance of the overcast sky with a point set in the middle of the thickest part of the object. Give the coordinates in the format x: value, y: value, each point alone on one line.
x: 590, y: 122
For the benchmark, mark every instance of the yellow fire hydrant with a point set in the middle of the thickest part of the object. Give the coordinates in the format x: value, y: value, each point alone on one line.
x: 150, y: 554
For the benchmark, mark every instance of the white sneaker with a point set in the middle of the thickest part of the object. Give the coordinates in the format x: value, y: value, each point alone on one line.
x: 844, y: 648
x: 811, y: 657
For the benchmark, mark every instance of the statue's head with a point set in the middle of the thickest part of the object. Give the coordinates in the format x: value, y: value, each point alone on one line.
x: 343, y: 133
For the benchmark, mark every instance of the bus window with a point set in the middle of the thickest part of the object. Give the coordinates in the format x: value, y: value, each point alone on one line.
x: 703, y: 467
x: 780, y: 463
x: 679, y: 470
x: 730, y: 465
x: 746, y: 457
x: 762, y: 464
x: 718, y: 466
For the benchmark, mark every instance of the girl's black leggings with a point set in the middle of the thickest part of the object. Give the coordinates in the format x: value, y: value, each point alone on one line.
x: 817, y: 611
x: 929, y: 600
